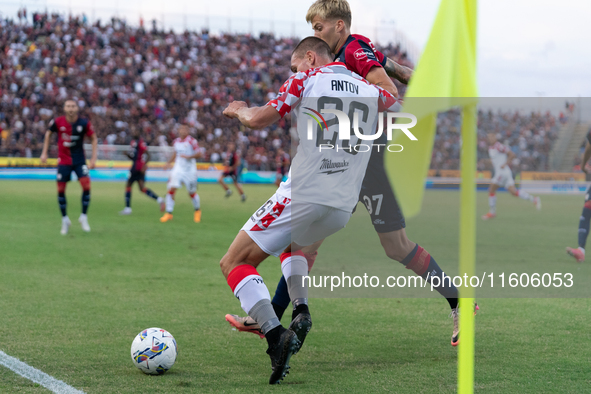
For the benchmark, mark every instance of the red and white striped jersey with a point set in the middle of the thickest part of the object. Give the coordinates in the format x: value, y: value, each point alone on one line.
x: 320, y: 174
x: 498, y: 155
x: 187, y: 147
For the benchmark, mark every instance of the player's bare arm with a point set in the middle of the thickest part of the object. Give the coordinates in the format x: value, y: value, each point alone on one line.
x: 45, y: 147
x: 145, y: 167
x: 196, y: 155
x: 398, y: 71
x: 586, y: 157
x: 170, y: 161
x: 253, y: 117
x: 92, y: 162
x: 510, y: 157
x: 378, y: 76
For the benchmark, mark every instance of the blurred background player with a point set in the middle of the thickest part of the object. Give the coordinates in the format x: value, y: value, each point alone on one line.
x: 283, y: 161
x: 579, y: 253
x: 500, y: 156
x: 184, y: 171
x: 232, y: 165
x: 140, y: 156
x: 71, y: 130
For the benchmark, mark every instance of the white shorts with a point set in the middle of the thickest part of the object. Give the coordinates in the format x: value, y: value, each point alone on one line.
x: 503, y: 177
x: 279, y: 222
x: 188, y: 178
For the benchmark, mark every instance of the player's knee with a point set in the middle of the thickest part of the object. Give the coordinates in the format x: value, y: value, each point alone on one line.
x: 61, y: 187
x: 227, y: 264
x: 85, y: 183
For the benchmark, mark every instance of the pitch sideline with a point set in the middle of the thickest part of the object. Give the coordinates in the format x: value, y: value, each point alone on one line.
x: 35, y: 375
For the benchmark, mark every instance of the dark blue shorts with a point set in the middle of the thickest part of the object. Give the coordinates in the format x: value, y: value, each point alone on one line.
x: 64, y: 172
x: 231, y: 174
x: 136, y: 176
x: 379, y: 199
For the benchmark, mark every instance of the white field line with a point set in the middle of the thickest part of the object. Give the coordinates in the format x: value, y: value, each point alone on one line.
x: 35, y: 375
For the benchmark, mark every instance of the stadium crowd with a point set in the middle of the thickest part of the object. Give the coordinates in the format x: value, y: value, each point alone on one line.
x: 529, y: 136
x: 125, y: 77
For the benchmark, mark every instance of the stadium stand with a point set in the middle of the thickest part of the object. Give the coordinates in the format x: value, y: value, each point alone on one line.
x: 124, y: 76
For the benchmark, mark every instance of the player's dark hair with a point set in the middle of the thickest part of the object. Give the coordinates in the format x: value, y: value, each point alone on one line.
x: 72, y: 100
x: 314, y: 44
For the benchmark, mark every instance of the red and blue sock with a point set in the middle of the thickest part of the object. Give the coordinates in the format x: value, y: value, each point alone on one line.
x: 424, y: 265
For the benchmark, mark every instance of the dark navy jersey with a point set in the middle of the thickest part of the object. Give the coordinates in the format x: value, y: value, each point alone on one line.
x: 359, y: 55
x: 232, y: 160
x: 70, y: 139
x: 139, y: 154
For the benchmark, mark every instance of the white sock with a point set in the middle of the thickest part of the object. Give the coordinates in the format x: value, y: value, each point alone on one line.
x: 294, y: 267
x: 492, y: 203
x: 256, y: 302
x: 524, y: 195
x: 169, y: 203
x: 159, y: 200
x: 196, y: 201
x: 582, y: 250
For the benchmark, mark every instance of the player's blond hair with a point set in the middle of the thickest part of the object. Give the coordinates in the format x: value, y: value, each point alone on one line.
x: 330, y: 9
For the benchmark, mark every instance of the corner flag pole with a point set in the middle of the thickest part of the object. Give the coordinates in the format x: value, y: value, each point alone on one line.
x: 467, y: 242
x: 467, y: 247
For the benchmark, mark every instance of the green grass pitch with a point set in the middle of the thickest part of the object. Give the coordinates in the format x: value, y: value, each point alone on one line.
x: 71, y: 306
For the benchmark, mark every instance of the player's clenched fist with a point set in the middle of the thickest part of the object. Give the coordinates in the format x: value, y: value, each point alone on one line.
x: 232, y: 110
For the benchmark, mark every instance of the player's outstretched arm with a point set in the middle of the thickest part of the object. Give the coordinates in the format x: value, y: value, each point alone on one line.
x: 45, y: 146
x: 400, y: 72
x: 196, y: 155
x: 254, y: 117
x: 94, y: 151
x: 168, y: 164
x: 378, y: 76
x: 586, y: 157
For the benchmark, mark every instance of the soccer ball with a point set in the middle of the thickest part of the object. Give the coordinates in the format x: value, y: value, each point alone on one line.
x: 154, y: 351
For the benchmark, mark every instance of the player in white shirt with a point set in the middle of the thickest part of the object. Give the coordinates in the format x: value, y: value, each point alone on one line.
x: 500, y: 156
x: 184, y: 171
x: 326, y: 185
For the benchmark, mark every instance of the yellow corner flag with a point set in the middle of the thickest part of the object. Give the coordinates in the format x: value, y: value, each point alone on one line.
x: 444, y: 78
x: 445, y: 74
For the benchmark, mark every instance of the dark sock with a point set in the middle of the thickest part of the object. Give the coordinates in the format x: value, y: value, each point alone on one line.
x: 151, y: 194
x: 279, y: 310
x: 274, y: 335
x: 281, y: 298
x: 584, y: 227
x: 127, y: 198
x: 85, y: 200
x: 61, y: 200
x: 453, y: 302
x: 422, y: 263
x: 302, y: 308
